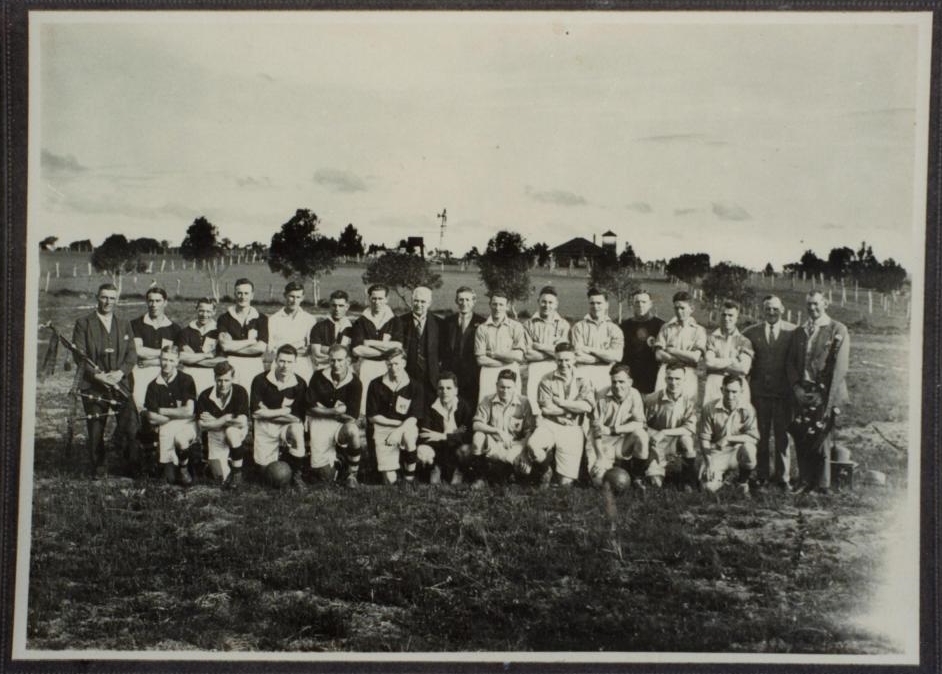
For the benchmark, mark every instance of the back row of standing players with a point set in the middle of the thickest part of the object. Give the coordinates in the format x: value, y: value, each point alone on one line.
x: 473, y: 394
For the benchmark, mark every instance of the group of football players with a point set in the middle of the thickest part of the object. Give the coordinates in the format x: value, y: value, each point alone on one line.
x: 464, y: 398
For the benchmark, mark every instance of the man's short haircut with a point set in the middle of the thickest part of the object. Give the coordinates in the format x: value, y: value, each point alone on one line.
x: 564, y: 346
x: 641, y: 291
x: 674, y: 366
x: 500, y: 292
x: 593, y: 291
x: 731, y: 304
x: 106, y: 286
x: 395, y: 353
x: 156, y: 290
x: 548, y: 290
x: 243, y: 282
x: 340, y: 295
x: 732, y: 379
x: 446, y: 375
x: 773, y: 298
x: 464, y: 289
x: 223, y: 368
x: 619, y: 367
x: 205, y: 300
x: 335, y: 348
x: 292, y: 286
x: 171, y: 348
x: 507, y: 374
x: 812, y: 293
x: 377, y: 286
x: 681, y: 296
x: 286, y: 349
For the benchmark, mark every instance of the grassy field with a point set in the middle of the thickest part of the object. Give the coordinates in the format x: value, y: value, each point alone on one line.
x: 125, y: 565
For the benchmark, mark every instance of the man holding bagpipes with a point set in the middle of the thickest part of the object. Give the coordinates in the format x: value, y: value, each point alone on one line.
x: 817, y: 364
x: 103, y: 349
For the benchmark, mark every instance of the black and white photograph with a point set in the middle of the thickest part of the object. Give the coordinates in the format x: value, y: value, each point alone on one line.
x: 474, y: 337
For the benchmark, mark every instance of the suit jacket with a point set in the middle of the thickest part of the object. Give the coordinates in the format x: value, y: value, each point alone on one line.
x: 114, y: 351
x: 464, y: 418
x: 457, y: 354
x: 801, y: 357
x: 427, y: 345
x: 768, y: 377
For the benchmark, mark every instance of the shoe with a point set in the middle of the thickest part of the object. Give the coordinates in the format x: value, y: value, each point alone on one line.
x: 638, y: 484
x: 435, y: 477
x: 351, y: 482
x: 743, y: 488
x: 656, y: 481
x: 170, y: 473
x: 479, y: 484
x: 457, y: 477
x: 233, y: 480
x: 546, y: 479
x: 297, y: 482
x: 688, y: 489
x: 185, y: 478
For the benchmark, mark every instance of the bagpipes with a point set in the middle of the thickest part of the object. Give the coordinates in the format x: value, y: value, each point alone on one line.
x: 120, y: 390
x: 815, y: 418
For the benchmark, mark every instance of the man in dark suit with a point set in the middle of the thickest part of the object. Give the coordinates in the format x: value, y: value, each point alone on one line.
x: 771, y: 394
x: 817, y: 340
x: 419, y: 332
x: 457, y: 347
x: 108, y: 341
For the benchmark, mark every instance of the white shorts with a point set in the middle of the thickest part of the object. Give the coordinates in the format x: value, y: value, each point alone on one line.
x: 269, y: 436
x: 716, y: 463
x: 602, y: 453
x: 387, y: 456
x: 142, y: 376
x: 597, y: 374
x: 203, y: 377
x: 369, y: 370
x: 691, y: 382
x: 713, y: 390
x: 568, y: 441
x: 323, y: 435
x: 175, y: 433
x: 668, y: 452
x: 535, y: 373
x: 217, y: 447
x: 246, y: 369
x: 487, y: 381
x: 497, y: 451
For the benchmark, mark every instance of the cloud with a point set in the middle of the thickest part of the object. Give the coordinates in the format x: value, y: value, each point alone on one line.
x: 686, y: 211
x: 339, y: 181
x: 558, y: 197
x: 671, y: 138
x: 730, y: 211
x: 111, y: 206
x: 56, y: 162
x: 672, y: 234
x: 831, y: 225
x: 251, y: 181
x: 640, y: 207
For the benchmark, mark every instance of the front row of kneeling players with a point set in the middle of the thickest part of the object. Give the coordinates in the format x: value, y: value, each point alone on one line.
x: 579, y: 429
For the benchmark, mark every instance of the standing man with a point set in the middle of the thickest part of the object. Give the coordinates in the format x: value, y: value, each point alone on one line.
x: 243, y: 335
x: 371, y: 338
x: 618, y: 434
x: 292, y: 325
x: 672, y: 425
x: 277, y: 403
x: 771, y: 393
x: 502, y: 425
x: 728, y: 436
x: 152, y: 332
x: 459, y: 332
x: 727, y: 352
x: 499, y: 344
x: 333, y: 403
x: 565, y: 398
x: 198, y: 342
x: 544, y: 331
x: 641, y: 332
x: 393, y: 408
x: 419, y: 332
x: 335, y: 329
x: 598, y: 341
x: 108, y: 341
x: 682, y: 341
x: 169, y: 406
x: 817, y: 365
x: 445, y: 433
x: 223, y: 414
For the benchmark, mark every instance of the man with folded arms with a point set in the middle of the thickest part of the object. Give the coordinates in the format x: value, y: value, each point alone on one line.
x: 243, y: 334
x: 277, y: 403
x: 640, y: 332
x: 502, y: 425
x: 618, y: 435
x: 222, y: 411
x: 544, y: 331
x: 671, y: 416
x: 499, y: 344
x: 681, y: 341
x: 371, y: 338
x: 393, y: 408
x: 152, y: 332
x: 335, y: 329
x: 292, y: 325
x: 728, y: 351
x: 198, y: 342
x: 598, y: 341
x: 169, y: 407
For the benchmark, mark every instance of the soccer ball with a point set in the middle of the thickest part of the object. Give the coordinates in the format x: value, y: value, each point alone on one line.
x: 278, y: 474
x: 617, y: 479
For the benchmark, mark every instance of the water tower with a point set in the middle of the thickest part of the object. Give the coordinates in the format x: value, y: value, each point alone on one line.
x: 609, y: 241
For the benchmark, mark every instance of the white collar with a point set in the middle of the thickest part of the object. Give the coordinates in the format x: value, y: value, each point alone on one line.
x: 688, y: 322
x: 250, y: 315
x: 404, y: 381
x: 380, y: 319
x: 163, y: 382
x: 298, y: 313
x: 440, y: 408
x: 342, y: 323
x: 490, y: 321
x: 162, y: 322
x: 513, y: 401
x: 343, y: 382
x: 719, y: 333
x: 667, y: 396
x: 554, y: 317
x: 282, y: 385
x: 596, y: 321
x: 220, y: 403
x: 209, y: 326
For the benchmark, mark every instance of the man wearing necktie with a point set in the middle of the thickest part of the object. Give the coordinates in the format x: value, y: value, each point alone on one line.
x: 457, y: 350
x: 770, y: 391
x: 419, y: 332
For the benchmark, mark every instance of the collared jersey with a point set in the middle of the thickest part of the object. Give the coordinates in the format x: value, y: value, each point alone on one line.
x: 155, y: 335
x: 328, y: 332
x: 718, y: 422
x: 324, y: 392
x: 199, y: 341
x: 687, y: 336
x: 598, y: 334
x: 255, y: 326
x: 285, y: 328
x: 515, y: 416
x: 236, y: 405
x: 611, y: 412
x: 638, y: 354
x: 548, y: 332
x: 268, y: 391
x: 662, y: 412
x: 577, y: 388
x: 731, y: 346
x: 383, y: 398
x: 175, y: 393
x: 367, y: 326
x: 504, y: 336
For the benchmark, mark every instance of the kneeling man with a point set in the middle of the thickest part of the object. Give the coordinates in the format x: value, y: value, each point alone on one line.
x: 618, y: 434
x: 444, y: 439
x: 502, y: 425
x: 564, y: 399
x: 671, y: 415
x: 223, y: 414
x: 277, y: 400
x: 332, y: 402
x: 729, y: 434
x: 393, y: 408
x: 169, y: 405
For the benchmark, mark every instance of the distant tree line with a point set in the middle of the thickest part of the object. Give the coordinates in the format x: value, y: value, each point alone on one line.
x: 860, y: 266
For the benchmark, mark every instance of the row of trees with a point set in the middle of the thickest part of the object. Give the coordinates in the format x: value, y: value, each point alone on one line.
x: 847, y: 264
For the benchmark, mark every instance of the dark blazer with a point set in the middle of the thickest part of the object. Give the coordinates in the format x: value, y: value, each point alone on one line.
x: 464, y: 417
x: 799, y: 357
x: 768, y: 377
x: 457, y: 352
x: 114, y: 351
x: 428, y: 344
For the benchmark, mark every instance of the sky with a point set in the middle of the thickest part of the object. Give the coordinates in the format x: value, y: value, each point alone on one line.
x: 745, y: 137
